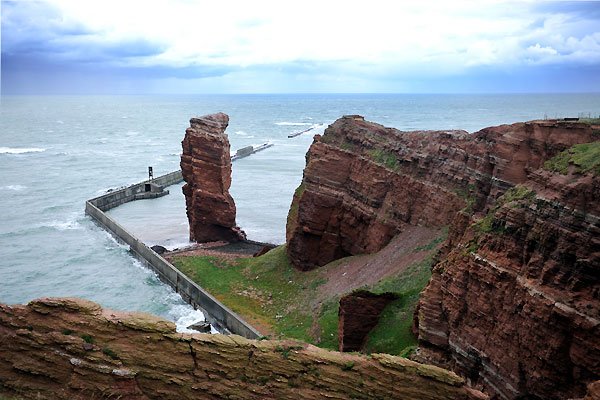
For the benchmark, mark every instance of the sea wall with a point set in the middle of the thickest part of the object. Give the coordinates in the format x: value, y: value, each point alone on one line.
x: 215, y: 312
x: 117, y: 197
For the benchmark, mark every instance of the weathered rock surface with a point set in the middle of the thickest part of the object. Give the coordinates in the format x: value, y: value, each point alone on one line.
x: 515, y: 304
x: 358, y: 314
x: 206, y: 169
x: 73, y: 349
x: 514, y: 301
x: 363, y: 183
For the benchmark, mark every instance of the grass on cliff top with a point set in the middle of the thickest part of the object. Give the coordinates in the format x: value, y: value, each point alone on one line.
x: 267, y: 291
x: 275, y: 297
x: 584, y: 157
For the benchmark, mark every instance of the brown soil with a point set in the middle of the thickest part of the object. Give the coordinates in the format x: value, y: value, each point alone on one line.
x: 355, y: 272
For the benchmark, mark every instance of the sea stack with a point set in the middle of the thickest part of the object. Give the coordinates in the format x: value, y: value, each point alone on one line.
x: 206, y: 169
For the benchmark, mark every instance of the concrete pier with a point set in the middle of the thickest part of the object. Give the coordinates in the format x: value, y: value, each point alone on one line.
x: 215, y: 312
x: 142, y: 190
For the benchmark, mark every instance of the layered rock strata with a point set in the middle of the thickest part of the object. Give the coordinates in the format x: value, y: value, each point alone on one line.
x: 513, y: 303
x: 73, y: 349
x: 364, y: 183
x: 206, y: 169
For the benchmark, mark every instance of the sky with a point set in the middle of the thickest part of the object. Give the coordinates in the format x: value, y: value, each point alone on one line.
x: 308, y: 46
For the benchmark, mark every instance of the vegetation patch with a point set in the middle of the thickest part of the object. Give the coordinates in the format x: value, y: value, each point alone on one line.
x: 87, y: 338
x: 266, y: 290
x: 468, y: 195
x: 348, y: 146
x: 584, y: 157
x: 111, y: 353
x: 591, y: 121
x: 393, y: 334
x: 348, y: 366
x: 328, y: 322
x: 285, y: 350
x: 434, y: 243
x: 385, y: 158
x: 285, y: 303
x: 519, y: 196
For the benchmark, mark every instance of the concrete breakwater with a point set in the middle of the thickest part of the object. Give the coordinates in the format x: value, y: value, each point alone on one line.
x: 143, y: 190
x: 249, y: 150
x: 215, y: 312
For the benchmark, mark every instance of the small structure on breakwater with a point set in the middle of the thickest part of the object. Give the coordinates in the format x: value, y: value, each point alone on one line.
x: 215, y: 312
x: 293, y: 135
x: 249, y: 150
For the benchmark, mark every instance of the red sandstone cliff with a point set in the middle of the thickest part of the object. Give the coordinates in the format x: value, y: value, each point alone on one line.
x: 514, y: 300
x: 206, y: 169
x: 72, y: 349
x: 514, y: 305
x: 364, y: 182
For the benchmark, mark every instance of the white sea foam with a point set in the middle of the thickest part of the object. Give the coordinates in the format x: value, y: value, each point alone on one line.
x: 59, y: 122
x: 20, y: 150
x: 172, y: 245
x: 285, y: 123
x: 241, y: 133
x: 116, y: 242
x: 16, y: 188
x: 184, y: 316
x: 68, y: 225
x: 132, y: 133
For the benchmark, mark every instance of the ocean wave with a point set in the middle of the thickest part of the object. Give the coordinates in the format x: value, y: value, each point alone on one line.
x: 16, y: 188
x: 20, y: 150
x: 172, y: 244
x: 184, y: 316
x: 114, y: 241
x: 68, y: 225
x: 241, y: 133
x: 132, y: 133
x: 285, y: 123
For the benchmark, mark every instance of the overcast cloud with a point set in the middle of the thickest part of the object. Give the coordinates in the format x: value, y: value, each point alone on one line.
x: 193, y: 46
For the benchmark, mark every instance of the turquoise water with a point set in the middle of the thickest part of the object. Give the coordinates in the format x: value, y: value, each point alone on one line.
x: 58, y: 151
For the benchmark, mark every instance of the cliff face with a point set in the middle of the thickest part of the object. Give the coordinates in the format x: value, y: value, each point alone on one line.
x: 363, y: 183
x: 206, y: 169
x: 73, y: 349
x: 358, y: 314
x: 513, y: 303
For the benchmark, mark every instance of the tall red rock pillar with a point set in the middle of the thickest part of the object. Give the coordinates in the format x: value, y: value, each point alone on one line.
x: 206, y: 169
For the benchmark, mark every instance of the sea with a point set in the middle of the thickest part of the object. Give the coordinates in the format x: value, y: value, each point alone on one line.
x: 58, y: 151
